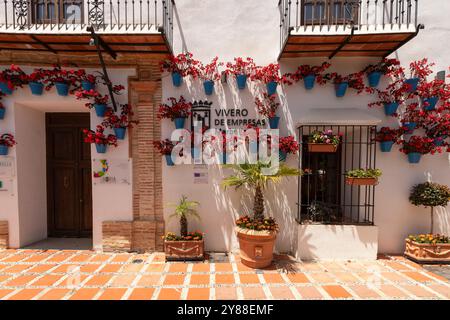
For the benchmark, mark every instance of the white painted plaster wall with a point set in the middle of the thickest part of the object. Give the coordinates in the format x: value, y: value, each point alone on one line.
x: 110, y: 202
x: 231, y: 28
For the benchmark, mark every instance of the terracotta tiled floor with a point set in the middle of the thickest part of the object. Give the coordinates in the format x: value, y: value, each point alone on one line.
x: 68, y: 274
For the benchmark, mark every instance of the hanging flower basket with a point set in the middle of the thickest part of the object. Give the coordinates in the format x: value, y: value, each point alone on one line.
x: 2, y: 113
x: 274, y: 122
x: 208, y: 85
x: 429, y: 104
x: 177, y: 79
x: 179, y: 123
x: 414, y: 157
x: 390, y: 108
x: 62, y: 88
x: 410, y: 126
x: 386, y: 146
x: 120, y: 132
x: 3, y: 150
x: 322, y: 147
x: 271, y: 87
x: 169, y: 160
x: 36, y: 88
x: 101, y: 148
x: 309, y: 81
x: 4, y: 88
x: 100, y: 109
x: 241, y: 80
x: 374, y: 78
x: 361, y: 181
x: 87, y: 85
x: 412, y: 82
x: 341, y: 89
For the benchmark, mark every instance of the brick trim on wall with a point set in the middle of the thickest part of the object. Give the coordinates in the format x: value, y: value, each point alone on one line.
x: 4, y: 235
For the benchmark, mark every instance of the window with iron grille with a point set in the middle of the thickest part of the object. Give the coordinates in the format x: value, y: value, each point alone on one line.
x: 323, y: 195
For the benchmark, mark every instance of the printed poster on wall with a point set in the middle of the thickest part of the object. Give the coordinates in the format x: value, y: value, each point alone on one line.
x: 111, y: 171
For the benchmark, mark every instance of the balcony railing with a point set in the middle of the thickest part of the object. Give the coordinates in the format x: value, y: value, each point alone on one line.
x: 106, y: 16
x: 324, y: 15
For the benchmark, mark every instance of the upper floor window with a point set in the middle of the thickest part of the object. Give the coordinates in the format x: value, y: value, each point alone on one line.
x: 330, y: 11
x: 57, y: 11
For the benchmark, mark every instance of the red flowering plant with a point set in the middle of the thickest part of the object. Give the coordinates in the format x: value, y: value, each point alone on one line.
x: 354, y: 80
x: 93, y: 95
x: 38, y: 75
x: 270, y: 73
x: 268, y: 106
x: 307, y: 70
x: 210, y: 71
x: 413, y: 114
x: 83, y: 76
x: 437, y: 125
x: 395, y: 92
x: 422, y: 145
x: 13, y: 77
x: 184, y: 64
x: 241, y: 67
x: 112, y: 120
x: 386, y: 67
x: 7, y: 139
x: 178, y: 109
x: 421, y: 69
x: 434, y: 88
x: 98, y: 137
x: 164, y: 147
x: 288, y: 144
x: 388, y: 134
x: 59, y: 75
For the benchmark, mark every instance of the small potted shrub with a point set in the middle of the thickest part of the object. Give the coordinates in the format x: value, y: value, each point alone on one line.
x: 417, y: 146
x: 189, y: 245
x: 429, y: 247
x: 100, y: 140
x: 2, y: 111
x: 256, y: 234
x: 323, y: 141
x: 12, y: 78
x: 287, y: 145
x: 100, y: 103
x: 180, y: 66
x: 209, y: 74
x: 6, y: 141
x: 387, y: 137
x: 310, y: 74
x: 362, y: 177
x: 241, y: 69
x: 374, y: 72
x: 419, y: 72
x: 119, y: 123
x: 268, y: 107
x: 178, y: 111
x: 36, y: 81
x: 165, y: 147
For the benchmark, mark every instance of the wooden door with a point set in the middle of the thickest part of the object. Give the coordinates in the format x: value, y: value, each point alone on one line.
x: 69, y: 187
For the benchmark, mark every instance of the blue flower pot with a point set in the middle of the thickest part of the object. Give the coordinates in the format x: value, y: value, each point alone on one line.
x: 282, y: 156
x: 3, y: 150
x: 274, y: 122
x: 390, y: 108
x: 120, y: 133
x: 36, y: 88
x: 2, y: 113
x: 241, y: 80
x: 413, y: 82
x: 374, y: 78
x: 179, y: 123
x: 4, y: 88
x: 100, y: 109
x: 176, y: 79
x: 271, y: 87
x: 411, y: 126
x: 439, y: 141
x: 386, y: 146
x: 414, y: 157
x: 169, y: 160
x: 62, y: 88
x: 208, y: 85
x: 86, y: 85
x: 101, y: 148
x: 430, y: 103
x: 341, y: 89
x: 308, y: 81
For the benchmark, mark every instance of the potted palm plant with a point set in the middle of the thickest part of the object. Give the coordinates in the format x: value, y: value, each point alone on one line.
x: 429, y: 247
x: 189, y: 245
x: 256, y: 234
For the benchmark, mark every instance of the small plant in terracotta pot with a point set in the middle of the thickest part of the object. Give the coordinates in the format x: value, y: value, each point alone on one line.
x: 429, y: 247
x: 189, y: 245
x: 362, y: 177
x: 256, y: 234
x: 323, y: 141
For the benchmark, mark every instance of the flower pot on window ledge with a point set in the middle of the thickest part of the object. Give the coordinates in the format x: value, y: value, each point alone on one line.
x: 428, y: 253
x: 361, y: 181
x: 256, y: 247
x: 36, y: 88
x: 62, y: 88
x: 322, y: 147
x: 4, y: 150
x: 184, y: 250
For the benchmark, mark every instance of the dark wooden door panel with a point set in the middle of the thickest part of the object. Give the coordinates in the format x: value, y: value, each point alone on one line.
x: 69, y: 187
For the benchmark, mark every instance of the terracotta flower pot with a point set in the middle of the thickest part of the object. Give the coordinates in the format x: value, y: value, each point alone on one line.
x: 184, y: 250
x: 361, y: 181
x: 256, y: 247
x: 321, y: 147
x: 428, y: 253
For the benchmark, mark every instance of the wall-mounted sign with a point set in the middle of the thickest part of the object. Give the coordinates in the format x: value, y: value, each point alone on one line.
x: 111, y: 171
x: 200, y: 174
x: 7, y: 167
